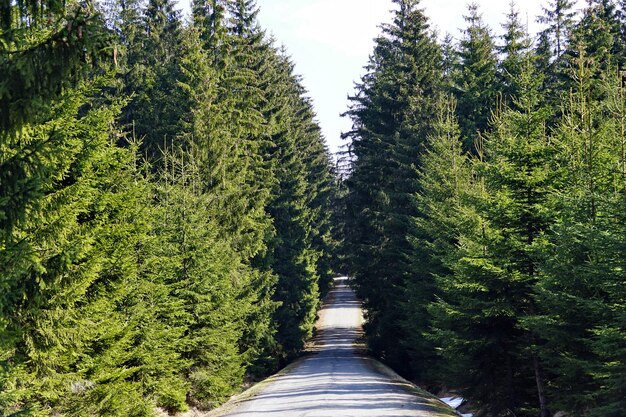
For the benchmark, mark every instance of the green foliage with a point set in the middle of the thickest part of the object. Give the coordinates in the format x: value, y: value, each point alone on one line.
x: 124, y: 286
x: 206, y: 281
x: 295, y: 212
x: 38, y: 60
x: 515, y: 49
x: 559, y: 19
x: 475, y: 84
x: 583, y: 263
x: 513, y: 293
x: 392, y: 116
x: 445, y: 178
x: 70, y: 267
x: 153, y: 50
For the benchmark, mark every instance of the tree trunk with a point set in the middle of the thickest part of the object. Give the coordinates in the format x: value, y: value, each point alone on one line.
x: 540, y: 387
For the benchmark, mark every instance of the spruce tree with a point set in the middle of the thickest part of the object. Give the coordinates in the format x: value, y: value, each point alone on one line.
x: 580, y: 299
x: 450, y: 61
x: 154, y: 114
x: 205, y: 277
x: 595, y: 36
x: 296, y: 208
x: 70, y: 267
x: 444, y: 178
x: 238, y: 195
x: 490, y: 293
x: 475, y: 86
x: 515, y: 48
x: 558, y: 16
x: 558, y: 20
x: 67, y: 195
x: 47, y: 46
x: 392, y: 116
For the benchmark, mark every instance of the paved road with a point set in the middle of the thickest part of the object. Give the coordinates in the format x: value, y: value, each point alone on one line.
x: 337, y: 380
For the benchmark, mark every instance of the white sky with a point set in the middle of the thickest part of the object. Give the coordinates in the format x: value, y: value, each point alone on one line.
x: 330, y: 41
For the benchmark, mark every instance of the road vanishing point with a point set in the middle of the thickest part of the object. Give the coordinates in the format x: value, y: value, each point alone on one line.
x: 336, y: 379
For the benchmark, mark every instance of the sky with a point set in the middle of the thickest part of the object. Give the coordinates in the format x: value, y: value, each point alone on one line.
x: 330, y: 42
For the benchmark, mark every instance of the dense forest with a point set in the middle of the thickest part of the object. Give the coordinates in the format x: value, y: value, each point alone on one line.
x: 485, y: 208
x: 170, y: 216
x: 165, y: 206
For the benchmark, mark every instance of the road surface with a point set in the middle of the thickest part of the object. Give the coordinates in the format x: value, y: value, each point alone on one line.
x: 336, y: 380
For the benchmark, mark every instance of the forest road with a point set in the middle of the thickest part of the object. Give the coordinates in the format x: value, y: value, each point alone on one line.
x: 336, y: 379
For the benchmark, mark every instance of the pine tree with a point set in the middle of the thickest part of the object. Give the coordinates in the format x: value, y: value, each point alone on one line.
x: 299, y: 218
x: 46, y: 47
x: 445, y: 176
x: 206, y: 278
x: 392, y: 116
x: 70, y: 266
x: 581, y: 263
x: 150, y: 77
x: 489, y: 294
x: 515, y: 48
x: 559, y: 19
x: 475, y: 86
x: 238, y: 195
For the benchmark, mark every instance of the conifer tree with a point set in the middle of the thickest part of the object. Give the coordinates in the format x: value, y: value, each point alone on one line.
x: 596, y: 36
x: 579, y: 298
x: 46, y: 47
x: 558, y: 19
x: 450, y: 61
x: 67, y: 195
x: 238, y: 196
x: 444, y: 178
x: 475, y: 87
x: 206, y: 278
x: 70, y: 266
x: 392, y: 116
x: 300, y: 206
x: 491, y: 290
x: 558, y: 16
x: 150, y: 77
x: 229, y: 135
x: 515, y: 48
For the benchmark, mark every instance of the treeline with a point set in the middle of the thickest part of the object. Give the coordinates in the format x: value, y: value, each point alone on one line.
x: 485, y: 215
x: 165, y: 206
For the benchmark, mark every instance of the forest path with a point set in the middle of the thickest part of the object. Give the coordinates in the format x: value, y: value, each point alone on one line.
x: 336, y: 379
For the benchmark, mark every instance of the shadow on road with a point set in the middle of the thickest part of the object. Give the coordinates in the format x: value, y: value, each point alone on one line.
x: 337, y: 379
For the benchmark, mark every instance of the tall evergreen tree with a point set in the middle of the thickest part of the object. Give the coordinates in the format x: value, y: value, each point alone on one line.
x: 580, y: 302
x: 234, y: 174
x: 206, y: 278
x: 558, y: 20
x: 154, y: 114
x: 515, y: 49
x: 46, y: 47
x: 491, y: 290
x: 300, y: 205
x: 444, y: 178
x: 475, y: 87
x: 558, y: 16
x: 595, y: 36
x: 70, y: 267
x: 392, y: 116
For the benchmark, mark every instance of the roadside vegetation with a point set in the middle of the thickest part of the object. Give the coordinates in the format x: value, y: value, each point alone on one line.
x: 165, y: 206
x: 170, y: 216
x: 485, y: 183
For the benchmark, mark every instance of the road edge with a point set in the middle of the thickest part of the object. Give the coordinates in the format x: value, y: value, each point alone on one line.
x: 439, y: 408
